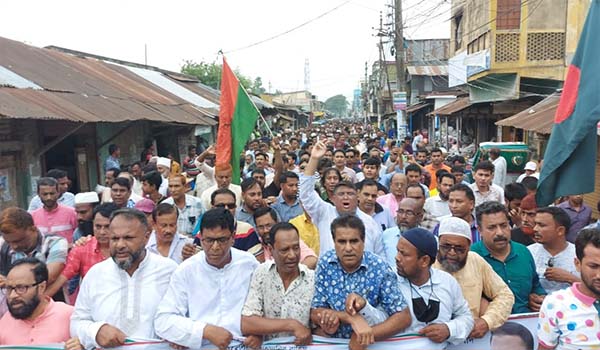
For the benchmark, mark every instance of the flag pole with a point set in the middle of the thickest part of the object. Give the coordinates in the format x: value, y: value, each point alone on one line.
x: 258, y: 110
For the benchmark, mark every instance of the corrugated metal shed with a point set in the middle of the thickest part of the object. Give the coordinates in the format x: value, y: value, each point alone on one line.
x: 538, y: 118
x: 455, y: 106
x: 87, y: 90
x: 428, y: 70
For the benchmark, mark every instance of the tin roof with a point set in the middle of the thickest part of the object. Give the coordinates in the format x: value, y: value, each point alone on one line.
x: 47, y: 84
x: 428, y: 70
x: 538, y: 118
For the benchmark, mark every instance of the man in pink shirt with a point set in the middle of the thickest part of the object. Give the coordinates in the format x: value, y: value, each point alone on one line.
x: 33, y: 318
x: 53, y: 218
x: 397, y: 192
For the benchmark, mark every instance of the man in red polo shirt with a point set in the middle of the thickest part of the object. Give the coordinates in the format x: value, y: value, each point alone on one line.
x: 82, y: 257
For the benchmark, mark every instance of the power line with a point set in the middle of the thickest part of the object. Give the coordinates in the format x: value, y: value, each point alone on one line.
x: 290, y: 30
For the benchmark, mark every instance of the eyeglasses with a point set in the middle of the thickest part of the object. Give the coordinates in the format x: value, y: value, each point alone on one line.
x: 402, y: 212
x: 550, y: 262
x: 21, y: 289
x: 446, y: 248
x: 263, y: 228
x: 210, y: 241
x: 226, y: 205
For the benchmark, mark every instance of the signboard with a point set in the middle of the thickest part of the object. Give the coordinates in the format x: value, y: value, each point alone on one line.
x: 399, y: 100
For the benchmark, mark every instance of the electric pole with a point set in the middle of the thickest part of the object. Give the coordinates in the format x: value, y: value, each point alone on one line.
x: 382, y: 66
x: 400, y: 68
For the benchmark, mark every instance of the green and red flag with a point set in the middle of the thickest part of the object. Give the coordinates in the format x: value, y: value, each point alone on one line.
x: 570, y: 158
x: 237, y: 119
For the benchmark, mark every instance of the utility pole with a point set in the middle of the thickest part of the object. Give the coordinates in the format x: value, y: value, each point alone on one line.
x: 400, y: 68
x: 380, y: 34
x: 365, y: 92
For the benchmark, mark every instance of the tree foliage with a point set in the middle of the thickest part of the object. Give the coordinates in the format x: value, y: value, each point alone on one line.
x: 338, y: 105
x: 210, y: 74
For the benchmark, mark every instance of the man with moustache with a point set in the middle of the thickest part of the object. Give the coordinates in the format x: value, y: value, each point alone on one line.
x: 367, y: 202
x: 408, y: 216
x: 85, y: 203
x: 252, y: 200
x: 81, y: 258
x: 579, y: 213
x: 524, y: 232
x: 510, y: 260
x: 438, y: 204
x: 266, y: 218
x: 53, y: 219
x: 477, y: 279
x: 349, y: 283
x: 278, y: 302
x: 438, y: 309
x: 552, y: 253
x: 119, y: 296
x: 569, y: 318
x: 345, y: 203
x: 33, y: 317
x: 165, y: 240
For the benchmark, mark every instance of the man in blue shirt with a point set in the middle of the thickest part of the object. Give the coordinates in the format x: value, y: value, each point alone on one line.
x: 349, y: 283
x: 112, y: 161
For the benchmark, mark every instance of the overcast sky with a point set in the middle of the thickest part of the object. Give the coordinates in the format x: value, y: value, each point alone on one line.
x: 337, y: 45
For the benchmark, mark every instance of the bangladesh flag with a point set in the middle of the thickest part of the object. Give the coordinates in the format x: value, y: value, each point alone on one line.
x: 570, y: 158
x: 237, y: 119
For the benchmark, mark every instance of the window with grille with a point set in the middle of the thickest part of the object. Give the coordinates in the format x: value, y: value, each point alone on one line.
x: 507, y: 47
x: 545, y: 46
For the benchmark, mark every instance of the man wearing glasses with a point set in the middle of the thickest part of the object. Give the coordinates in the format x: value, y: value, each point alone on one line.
x: 245, y: 238
x: 408, y: 216
x: 345, y: 202
x: 221, y: 275
x: 33, y: 317
x: 479, y: 283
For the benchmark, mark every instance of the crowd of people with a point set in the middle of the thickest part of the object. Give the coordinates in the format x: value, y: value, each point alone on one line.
x: 336, y: 231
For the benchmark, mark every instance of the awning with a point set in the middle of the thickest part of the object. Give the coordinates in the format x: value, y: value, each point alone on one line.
x: 455, y: 106
x: 285, y: 117
x: 417, y: 107
x: 538, y: 118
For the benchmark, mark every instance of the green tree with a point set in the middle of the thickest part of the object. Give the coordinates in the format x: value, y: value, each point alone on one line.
x: 210, y: 74
x: 338, y: 105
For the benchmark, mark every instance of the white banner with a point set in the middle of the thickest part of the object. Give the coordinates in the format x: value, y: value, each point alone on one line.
x: 402, y: 342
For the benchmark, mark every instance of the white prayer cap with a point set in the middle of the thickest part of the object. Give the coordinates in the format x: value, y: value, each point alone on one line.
x: 86, y: 197
x: 531, y: 166
x: 455, y: 226
x: 166, y: 162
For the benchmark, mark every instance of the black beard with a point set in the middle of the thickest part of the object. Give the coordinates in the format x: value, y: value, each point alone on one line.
x: 87, y: 227
x: 26, y: 310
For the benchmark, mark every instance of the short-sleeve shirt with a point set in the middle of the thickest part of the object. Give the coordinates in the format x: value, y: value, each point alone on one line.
x: 268, y: 298
x: 569, y: 320
x: 374, y: 280
x: 564, y: 260
x: 81, y: 259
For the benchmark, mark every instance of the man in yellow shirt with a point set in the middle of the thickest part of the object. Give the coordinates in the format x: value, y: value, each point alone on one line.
x: 308, y: 231
x: 478, y: 281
